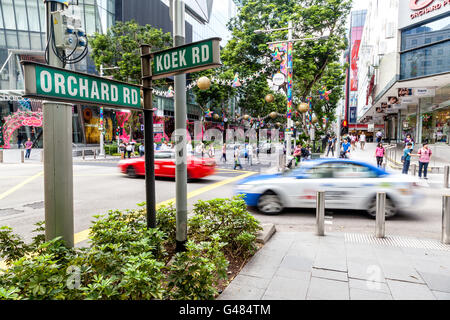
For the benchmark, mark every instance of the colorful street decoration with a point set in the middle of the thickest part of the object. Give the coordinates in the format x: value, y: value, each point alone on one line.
x: 170, y: 92
x: 100, y: 125
x: 236, y: 82
x: 289, y: 80
x: 323, y: 93
x: 122, y: 117
x: 21, y: 118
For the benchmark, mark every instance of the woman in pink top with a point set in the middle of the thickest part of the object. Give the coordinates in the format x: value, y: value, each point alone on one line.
x: 424, y: 154
x: 379, y: 154
x: 28, y: 146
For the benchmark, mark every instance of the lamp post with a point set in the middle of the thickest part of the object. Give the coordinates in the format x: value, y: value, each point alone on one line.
x: 102, y: 136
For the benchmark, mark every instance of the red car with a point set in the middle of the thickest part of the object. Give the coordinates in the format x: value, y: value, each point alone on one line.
x: 165, y: 166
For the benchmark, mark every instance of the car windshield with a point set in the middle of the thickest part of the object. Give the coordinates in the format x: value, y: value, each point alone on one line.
x: 333, y: 170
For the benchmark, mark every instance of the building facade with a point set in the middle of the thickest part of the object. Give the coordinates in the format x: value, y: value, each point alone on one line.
x: 23, y: 37
x: 408, y: 77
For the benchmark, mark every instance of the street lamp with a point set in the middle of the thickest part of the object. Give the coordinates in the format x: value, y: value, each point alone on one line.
x: 289, y: 86
x: 102, y: 138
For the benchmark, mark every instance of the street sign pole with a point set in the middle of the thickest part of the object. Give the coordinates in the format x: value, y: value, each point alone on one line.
x: 150, y: 191
x: 180, y: 133
x: 58, y: 173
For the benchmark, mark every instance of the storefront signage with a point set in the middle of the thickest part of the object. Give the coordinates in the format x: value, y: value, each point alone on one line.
x: 416, y: 11
x: 45, y: 82
x: 158, y: 128
x: 409, y: 100
x: 191, y: 57
x: 424, y: 92
x: 423, y: 7
x: 370, y: 127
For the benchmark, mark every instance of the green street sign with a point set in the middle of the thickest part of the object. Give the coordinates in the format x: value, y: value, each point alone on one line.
x: 190, y: 57
x: 50, y: 83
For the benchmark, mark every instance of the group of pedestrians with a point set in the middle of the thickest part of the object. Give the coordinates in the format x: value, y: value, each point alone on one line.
x: 424, y: 154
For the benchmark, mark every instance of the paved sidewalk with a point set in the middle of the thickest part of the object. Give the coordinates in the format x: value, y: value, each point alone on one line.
x: 299, y: 266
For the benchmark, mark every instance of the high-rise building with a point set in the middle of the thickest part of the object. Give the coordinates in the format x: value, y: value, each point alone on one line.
x: 406, y: 72
x: 23, y: 37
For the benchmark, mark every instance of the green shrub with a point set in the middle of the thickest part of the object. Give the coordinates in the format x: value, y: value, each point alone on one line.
x: 126, y: 260
x: 230, y: 220
x: 194, y: 273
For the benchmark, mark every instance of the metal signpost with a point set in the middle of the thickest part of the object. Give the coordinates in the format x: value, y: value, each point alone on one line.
x: 57, y: 84
x: 177, y: 61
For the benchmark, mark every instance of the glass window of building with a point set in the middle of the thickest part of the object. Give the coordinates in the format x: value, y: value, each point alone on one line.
x: 35, y: 39
x: 427, y: 33
x: 11, y: 38
x: 415, y: 63
x: 8, y: 14
x: 33, y: 15
x: 21, y: 15
x: 24, y: 40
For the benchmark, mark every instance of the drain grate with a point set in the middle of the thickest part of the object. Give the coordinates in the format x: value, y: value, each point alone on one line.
x: 396, y: 241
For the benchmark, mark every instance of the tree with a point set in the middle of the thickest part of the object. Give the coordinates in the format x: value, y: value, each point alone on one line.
x: 120, y: 47
x: 315, y: 62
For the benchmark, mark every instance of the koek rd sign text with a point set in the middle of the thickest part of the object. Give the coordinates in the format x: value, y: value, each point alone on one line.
x: 191, y: 57
x: 59, y: 84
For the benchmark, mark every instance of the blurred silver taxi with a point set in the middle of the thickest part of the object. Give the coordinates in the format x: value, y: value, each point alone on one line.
x: 348, y: 184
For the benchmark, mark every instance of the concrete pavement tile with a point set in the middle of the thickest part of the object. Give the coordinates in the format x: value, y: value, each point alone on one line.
x: 289, y: 288
x: 260, y: 270
x: 331, y: 261
x: 329, y: 274
x: 365, y: 270
x: 401, y: 273
x: 368, y: 285
x: 401, y: 290
x: 358, y: 294
x: 298, y: 263
x: 437, y: 281
x: 326, y: 289
x: 441, y: 295
x: 268, y: 256
x: 243, y: 280
x: 234, y: 292
x: 293, y: 274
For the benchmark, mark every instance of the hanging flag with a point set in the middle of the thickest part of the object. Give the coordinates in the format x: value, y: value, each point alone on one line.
x: 236, y: 82
x: 169, y: 93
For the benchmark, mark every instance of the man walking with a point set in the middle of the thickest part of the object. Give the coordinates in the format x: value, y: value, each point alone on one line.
x: 407, y: 152
x: 237, y: 162
x: 28, y: 146
x: 331, y: 144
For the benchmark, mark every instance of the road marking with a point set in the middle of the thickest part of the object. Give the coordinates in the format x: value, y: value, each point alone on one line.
x: 20, y: 185
x: 84, y: 235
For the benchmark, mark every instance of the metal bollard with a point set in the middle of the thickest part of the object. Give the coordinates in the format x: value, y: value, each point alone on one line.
x: 95, y: 153
x: 414, y: 169
x: 380, y: 215
x: 445, y: 220
x: 42, y: 155
x: 446, y: 176
x: 1, y: 156
x: 22, y: 156
x: 82, y: 153
x: 320, y: 213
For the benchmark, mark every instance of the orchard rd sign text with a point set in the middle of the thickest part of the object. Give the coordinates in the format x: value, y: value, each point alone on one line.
x: 46, y: 82
x: 191, y: 57
x: 423, y: 7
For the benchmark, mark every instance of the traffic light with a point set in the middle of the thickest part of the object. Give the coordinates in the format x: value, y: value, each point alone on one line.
x: 344, y: 127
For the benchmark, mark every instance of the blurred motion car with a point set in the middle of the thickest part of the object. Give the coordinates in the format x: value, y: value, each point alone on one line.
x: 165, y: 166
x: 348, y: 184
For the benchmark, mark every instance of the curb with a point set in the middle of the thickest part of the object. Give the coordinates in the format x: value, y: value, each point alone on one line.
x: 265, y: 234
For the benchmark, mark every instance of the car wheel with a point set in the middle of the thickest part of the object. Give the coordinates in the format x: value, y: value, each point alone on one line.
x: 131, y: 172
x: 390, y: 208
x: 270, y: 203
